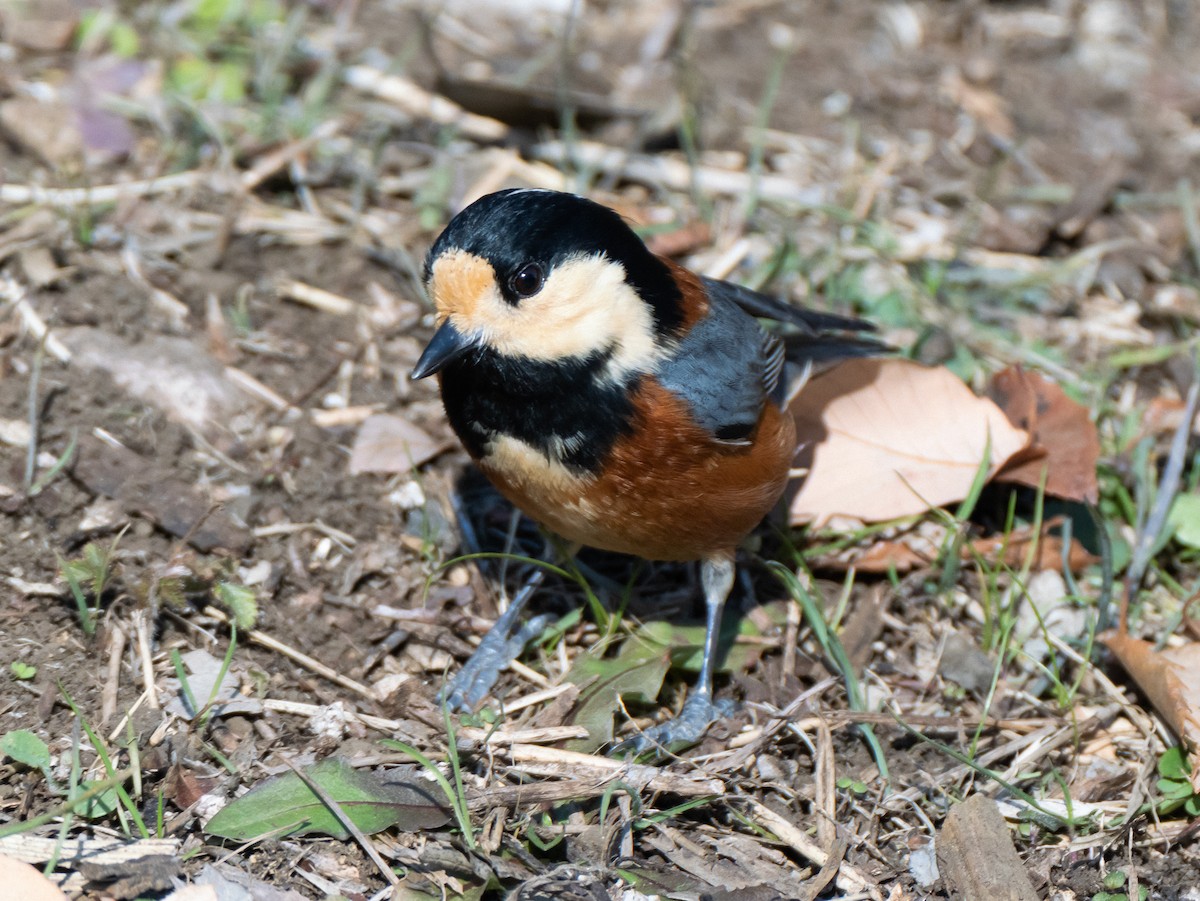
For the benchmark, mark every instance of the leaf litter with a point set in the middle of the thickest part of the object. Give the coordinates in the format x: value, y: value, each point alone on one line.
x: 974, y: 238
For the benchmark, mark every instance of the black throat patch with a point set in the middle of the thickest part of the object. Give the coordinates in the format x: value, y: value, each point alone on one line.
x: 561, y: 408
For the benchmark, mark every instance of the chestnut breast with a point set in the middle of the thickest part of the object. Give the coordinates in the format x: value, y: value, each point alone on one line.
x: 667, y: 490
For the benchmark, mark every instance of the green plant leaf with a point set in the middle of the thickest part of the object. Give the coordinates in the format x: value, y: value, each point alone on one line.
x: 22, y: 671
x: 1173, y: 764
x: 26, y: 748
x: 240, y: 601
x: 1115, y: 879
x: 373, y: 800
x: 99, y: 806
x: 685, y: 643
x: 1185, y: 519
x: 636, y: 672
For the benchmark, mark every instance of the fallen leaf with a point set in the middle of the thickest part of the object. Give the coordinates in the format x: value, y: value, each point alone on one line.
x: 389, y: 444
x: 372, y: 800
x: 681, y: 240
x: 883, y: 439
x: 228, y: 882
x: 640, y: 664
x: 636, y: 672
x: 1014, y: 548
x: 1171, y: 680
x: 914, y: 549
x: 1061, y: 428
x: 22, y: 880
x: 95, y: 84
x: 194, y: 893
x: 1161, y: 417
x: 184, y: 788
x: 882, y: 556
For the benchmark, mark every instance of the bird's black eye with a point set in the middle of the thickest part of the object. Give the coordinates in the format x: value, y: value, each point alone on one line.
x: 528, y: 280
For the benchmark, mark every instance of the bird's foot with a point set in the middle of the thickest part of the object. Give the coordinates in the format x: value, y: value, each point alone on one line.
x: 699, y: 712
x: 500, y: 647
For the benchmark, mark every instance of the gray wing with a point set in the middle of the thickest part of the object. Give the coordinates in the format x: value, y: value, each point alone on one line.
x: 814, y: 338
x: 725, y: 369
x: 764, y: 306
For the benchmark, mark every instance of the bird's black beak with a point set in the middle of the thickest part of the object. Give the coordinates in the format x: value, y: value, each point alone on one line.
x: 446, y: 346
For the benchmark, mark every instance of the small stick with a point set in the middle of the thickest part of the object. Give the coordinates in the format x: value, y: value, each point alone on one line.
x: 419, y: 103
x: 112, y: 684
x: 544, y: 735
x: 347, y: 823
x: 268, y: 164
x: 317, y: 298
x: 12, y: 291
x: 101, y: 194
x: 556, y: 762
x: 849, y: 879
x: 298, y: 708
x: 255, y: 388
x: 537, y: 697
x: 675, y: 174
x: 290, y: 528
x: 120, y: 726
x: 140, y: 625
x: 309, y: 663
x: 31, y: 449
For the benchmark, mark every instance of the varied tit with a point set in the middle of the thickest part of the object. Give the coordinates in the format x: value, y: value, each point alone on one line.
x: 615, y: 397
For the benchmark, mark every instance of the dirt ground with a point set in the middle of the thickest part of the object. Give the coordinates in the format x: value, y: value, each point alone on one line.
x: 207, y: 418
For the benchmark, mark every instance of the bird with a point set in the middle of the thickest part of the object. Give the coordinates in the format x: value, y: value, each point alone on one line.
x: 618, y: 399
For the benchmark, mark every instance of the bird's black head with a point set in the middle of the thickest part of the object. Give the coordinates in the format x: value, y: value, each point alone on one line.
x: 548, y: 276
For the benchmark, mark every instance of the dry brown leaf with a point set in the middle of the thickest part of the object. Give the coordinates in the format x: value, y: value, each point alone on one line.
x: 1171, y: 680
x: 1015, y: 549
x: 1161, y: 417
x: 1061, y: 428
x: 889, y: 438
x: 914, y: 549
x: 22, y: 880
x: 389, y: 444
x: 877, y: 557
x: 680, y: 241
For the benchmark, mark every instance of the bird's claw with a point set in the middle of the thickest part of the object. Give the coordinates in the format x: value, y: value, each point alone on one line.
x: 500, y: 647
x: 699, y: 712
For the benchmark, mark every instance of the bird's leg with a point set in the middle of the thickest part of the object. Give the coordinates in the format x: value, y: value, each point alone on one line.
x: 502, y: 644
x: 699, y: 710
